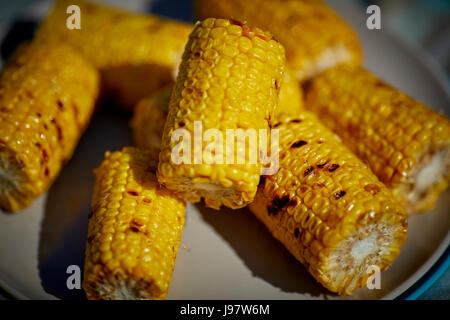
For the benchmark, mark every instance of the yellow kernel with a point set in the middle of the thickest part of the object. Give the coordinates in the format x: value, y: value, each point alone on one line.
x: 218, y: 32
x: 245, y: 44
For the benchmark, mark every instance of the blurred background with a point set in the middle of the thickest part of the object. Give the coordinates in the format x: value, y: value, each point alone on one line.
x: 422, y: 22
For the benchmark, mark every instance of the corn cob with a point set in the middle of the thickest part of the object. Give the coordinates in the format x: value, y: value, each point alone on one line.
x: 327, y: 208
x: 406, y: 144
x: 229, y: 78
x: 150, y: 113
x: 314, y: 36
x: 134, y: 230
x: 148, y: 120
x: 291, y: 97
x: 135, y: 53
x: 47, y: 95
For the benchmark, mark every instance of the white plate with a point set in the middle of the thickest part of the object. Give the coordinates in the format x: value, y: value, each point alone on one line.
x: 227, y: 254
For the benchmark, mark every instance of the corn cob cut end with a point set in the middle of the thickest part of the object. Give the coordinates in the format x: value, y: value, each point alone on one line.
x: 327, y: 208
x: 431, y: 177
x: 405, y: 143
x: 15, y: 193
x: 118, y: 288
x: 343, y: 263
x: 229, y: 78
x: 134, y: 230
x: 148, y: 124
x: 331, y: 57
x: 315, y: 37
x: 214, y: 194
x: 47, y: 96
x: 348, y: 265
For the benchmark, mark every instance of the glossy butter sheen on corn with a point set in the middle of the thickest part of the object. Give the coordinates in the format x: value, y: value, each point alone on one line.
x: 134, y: 230
x: 47, y: 96
x: 327, y: 208
x: 314, y: 36
x: 229, y: 78
x: 405, y: 143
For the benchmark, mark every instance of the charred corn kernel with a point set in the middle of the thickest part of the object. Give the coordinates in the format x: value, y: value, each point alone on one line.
x: 131, y: 248
x: 406, y: 144
x: 314, y: 36
x: 47, y: 95
x: 136, y: 54
x: 322, y: 209
x: 148, y: 120
x: 231, y: 179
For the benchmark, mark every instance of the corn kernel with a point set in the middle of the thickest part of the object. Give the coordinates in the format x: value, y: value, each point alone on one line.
x: 136, y: 243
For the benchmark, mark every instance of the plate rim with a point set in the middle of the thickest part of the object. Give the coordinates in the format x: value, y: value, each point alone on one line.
x: 439, y: 261
x: 423, y: 284
x: 425, y: 271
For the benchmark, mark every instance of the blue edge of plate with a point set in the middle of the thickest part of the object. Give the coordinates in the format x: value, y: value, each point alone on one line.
x: 428, y: 279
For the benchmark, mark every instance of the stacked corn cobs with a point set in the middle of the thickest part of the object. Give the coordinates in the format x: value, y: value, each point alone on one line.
x: 339, y: 200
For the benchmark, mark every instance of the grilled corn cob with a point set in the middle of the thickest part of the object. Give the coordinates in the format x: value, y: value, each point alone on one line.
x: 134, y: 231
x: 47, y: 95
x: 291, y: 96
x: 135, y: 53
x: 406, y: 144
x: 327, y: 208
x: 150, y: 113
x: 229, y: 78
x: 314, y: 36
x: 148, y: 120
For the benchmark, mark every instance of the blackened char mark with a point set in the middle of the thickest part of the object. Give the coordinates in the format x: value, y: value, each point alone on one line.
x: 278, y: 204
x: 308, y: 171
x: 339, y: 194
x: 262, y: 181
x: 298, y: 144
x: 321, y: 165
x: 333, y: 167
x: 276, y: 125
